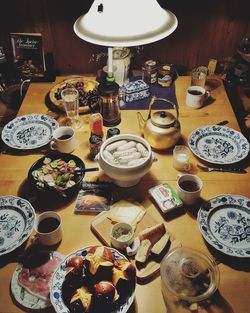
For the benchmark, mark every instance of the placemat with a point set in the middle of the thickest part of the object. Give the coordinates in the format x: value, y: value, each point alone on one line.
x: 167, y: 93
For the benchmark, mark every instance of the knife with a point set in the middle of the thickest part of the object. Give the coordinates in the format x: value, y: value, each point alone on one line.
x: 231, y: 170
x: 220, y: 169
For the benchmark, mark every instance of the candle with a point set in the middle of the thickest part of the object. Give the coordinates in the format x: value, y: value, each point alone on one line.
x: 110, y: 61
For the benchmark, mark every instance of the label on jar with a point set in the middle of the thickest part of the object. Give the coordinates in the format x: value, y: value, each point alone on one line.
x: 165, y: 81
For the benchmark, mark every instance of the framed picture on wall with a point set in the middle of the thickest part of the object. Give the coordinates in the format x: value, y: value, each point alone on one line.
x: 28, y: 54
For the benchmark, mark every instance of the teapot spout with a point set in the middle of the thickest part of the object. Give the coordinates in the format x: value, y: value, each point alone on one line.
x: 141, y: 122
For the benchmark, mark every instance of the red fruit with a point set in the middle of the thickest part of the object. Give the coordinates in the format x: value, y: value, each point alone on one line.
x: 76, y: 262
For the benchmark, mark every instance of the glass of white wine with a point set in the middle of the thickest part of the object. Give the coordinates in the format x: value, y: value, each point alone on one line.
x: 70, y: 98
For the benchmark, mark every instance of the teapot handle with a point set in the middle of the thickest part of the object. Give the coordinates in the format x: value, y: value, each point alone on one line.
x: 154, y: 98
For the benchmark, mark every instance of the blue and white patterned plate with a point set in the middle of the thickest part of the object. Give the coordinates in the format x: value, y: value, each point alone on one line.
x: 224, y: 222
x: 59, y: 276
x: 29, y: 131
x: 218, y: 144
x: 17, y: 218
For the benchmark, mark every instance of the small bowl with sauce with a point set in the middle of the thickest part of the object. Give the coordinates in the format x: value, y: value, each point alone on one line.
x: 121, y: 235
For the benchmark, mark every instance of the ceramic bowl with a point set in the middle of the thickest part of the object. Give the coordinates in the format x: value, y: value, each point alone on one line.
x: 121, y: 235
x: 124, y: 176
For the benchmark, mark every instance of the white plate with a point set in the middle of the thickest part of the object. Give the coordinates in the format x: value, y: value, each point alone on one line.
x: 218, y: 144
x: 59, y: 276
x: 224, y: 222
x: 17, y: 217
x: 29, y: 131
x: 22, y: 296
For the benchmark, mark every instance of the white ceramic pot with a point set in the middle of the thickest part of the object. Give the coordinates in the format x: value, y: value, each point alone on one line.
x: 124, y: 176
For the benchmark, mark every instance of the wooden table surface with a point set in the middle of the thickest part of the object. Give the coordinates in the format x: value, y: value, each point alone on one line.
x: 233, y: 295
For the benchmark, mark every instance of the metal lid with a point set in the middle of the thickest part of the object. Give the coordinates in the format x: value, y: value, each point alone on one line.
x: 189, y: 274
x: 163, y: 119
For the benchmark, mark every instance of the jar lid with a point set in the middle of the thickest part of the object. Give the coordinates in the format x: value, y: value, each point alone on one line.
x: 150, y: 63
x: 189, y: 274
x: 163, y: 119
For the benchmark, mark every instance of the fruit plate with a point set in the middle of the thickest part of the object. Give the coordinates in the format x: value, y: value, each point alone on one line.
x: 56, y: 296
x: 218, y: 144
x: 224, y: 222
x: 87, y: 88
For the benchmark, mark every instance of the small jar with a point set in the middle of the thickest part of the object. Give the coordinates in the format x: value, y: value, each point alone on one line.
x: 165, y: 75
x: 149, y: 72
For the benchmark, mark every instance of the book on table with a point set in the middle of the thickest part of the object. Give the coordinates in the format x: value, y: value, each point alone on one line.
x: 28, y: 54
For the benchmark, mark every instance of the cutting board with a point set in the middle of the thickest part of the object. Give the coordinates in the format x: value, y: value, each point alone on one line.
x: 101, y: 227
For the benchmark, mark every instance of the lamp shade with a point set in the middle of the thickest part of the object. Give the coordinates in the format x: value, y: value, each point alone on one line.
x: 124, y: 23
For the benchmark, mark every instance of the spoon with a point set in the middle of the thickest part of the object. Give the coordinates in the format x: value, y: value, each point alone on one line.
x: 84, y: 170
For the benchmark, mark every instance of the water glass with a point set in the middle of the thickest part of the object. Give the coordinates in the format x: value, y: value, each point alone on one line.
x: 70, y: 98
x: 181, y: 156
x: 198, y: 76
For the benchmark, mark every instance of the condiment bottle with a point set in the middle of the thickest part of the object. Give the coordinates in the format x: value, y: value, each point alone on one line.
x: 149, y: 72
x: 96, y: 124
x: 112, y: 132
x: 95, y: 143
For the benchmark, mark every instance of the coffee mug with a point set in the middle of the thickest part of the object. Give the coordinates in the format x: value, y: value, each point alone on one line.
x: 63, y: 139
x: 48, y: 227
x: 196, y: 95
x: 189, y: 188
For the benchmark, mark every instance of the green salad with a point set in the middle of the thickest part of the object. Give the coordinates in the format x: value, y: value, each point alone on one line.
x: 55, y: 173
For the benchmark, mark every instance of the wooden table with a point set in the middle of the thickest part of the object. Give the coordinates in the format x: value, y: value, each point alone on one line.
x: 235, y: 277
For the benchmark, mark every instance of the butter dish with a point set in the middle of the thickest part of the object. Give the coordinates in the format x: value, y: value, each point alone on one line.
x: 136, y: 90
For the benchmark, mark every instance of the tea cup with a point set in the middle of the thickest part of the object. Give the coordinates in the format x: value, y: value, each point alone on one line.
x: 48, y: 228
x: 189, y: 188
x: 63, y: 139
x: 195, y: 97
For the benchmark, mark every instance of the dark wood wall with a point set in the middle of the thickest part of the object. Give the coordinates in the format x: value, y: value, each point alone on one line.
x: 206, y: 29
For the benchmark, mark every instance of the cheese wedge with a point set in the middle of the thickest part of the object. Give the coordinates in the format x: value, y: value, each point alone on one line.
x: 153, y: 233
x: 160, y: 245
x: 143, y: 251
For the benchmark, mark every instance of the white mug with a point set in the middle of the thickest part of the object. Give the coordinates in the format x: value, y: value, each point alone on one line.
x: 195, y: 97
x: 189, y: 188
x: 48, y: 227
x: 63, y: 139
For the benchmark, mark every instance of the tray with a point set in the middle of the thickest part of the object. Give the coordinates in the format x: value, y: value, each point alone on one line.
x: 101, y: 226
x: 73, y: 81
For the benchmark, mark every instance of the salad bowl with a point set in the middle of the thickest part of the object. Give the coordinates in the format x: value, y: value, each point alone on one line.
x: 56, y: 174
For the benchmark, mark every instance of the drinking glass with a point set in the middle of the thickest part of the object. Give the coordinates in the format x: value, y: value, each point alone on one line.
x: 70, y: 98
x: 198, y: 76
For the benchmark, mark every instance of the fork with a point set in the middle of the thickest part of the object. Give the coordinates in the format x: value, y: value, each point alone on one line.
x: 219, y: 169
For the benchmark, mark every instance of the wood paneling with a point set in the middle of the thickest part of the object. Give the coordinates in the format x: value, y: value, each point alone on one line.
x: 206, y: 30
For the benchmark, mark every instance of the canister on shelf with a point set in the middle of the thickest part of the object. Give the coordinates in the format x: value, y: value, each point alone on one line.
x: 165, y: 75
x: 149, y: 72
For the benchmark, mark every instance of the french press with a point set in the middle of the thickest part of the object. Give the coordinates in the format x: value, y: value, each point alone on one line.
x: 109, y: 103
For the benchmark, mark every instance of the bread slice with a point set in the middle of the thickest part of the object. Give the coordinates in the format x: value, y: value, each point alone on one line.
x: 143, y: 251
x: 153, y: 234
x: 160, y: 245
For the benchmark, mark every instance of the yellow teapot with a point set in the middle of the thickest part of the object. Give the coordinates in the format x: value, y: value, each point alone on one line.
x: 162, y: 129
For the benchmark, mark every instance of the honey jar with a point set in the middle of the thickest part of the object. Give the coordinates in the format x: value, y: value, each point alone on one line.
x: 165, y: 75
